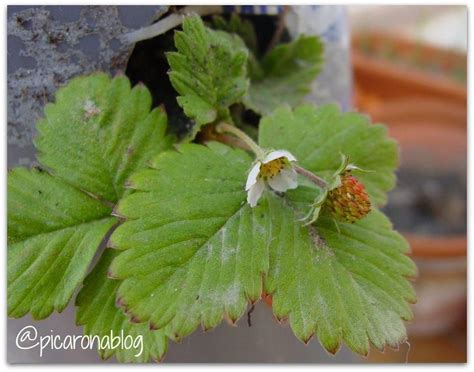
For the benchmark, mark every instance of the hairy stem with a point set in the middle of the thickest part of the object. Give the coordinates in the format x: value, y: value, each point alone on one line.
x: 311, y: 176
x: 234, y: 141
x: 225, y: 127
x: 247, y: 143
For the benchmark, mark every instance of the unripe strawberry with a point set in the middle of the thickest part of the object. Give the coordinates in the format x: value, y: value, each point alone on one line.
x: 349, y: 202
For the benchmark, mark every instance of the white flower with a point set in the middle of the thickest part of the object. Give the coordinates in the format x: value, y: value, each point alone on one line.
x: 274, y: 169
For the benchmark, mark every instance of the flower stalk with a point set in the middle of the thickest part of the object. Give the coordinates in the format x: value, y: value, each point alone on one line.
x: 311, y: 176
x: 259, y: 152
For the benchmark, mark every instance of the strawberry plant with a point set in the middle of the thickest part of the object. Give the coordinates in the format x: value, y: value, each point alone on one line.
x: 198, y: 227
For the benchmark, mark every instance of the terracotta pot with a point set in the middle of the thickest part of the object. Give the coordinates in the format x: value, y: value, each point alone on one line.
x: 441, y: 260
x: 427, y: 113
x: 402, y: 72
x: 432, y: 136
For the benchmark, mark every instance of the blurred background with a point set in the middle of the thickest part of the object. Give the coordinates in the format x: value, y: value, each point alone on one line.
x: 403, y: 65
x: 409, y: 72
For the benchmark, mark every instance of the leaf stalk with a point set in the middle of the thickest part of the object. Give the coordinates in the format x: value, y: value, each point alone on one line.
x: 225, y: 127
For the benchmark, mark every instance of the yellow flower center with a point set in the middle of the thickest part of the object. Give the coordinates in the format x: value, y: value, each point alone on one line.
x: 272, y: 168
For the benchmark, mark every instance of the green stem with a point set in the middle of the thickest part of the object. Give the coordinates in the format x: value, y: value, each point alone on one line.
x: 225, y: 127
x: 250, y: 143
x: 311, y: 176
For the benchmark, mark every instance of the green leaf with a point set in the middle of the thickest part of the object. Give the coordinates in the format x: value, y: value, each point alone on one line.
x: 193, y: 248
x: 53, y: 233
x: 346, y: 286
x: 188, y: 214
x: 98, y: 132
x: 98, y: 313
x: 208, y: 71
x: 346, y: 282
x: 245, y: 30
x: 317, y: 136
x: 286, y: 74
x: 240, y: 26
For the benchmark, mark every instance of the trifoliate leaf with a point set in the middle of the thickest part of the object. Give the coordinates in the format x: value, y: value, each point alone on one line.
x: 54, y: 231
x: 98, y: 131
x: 99, y: 315
x: 193, y: 248
x: 288, y: 71
x: 318, y: 136
x: 208, y: 71
x: 344, y: 284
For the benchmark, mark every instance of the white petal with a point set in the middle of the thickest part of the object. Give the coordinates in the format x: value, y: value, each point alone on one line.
x: 278, y: 154
x: 252, y: 177
x: 255, y: 193
x: 283, y: 181
x: 291, y: 176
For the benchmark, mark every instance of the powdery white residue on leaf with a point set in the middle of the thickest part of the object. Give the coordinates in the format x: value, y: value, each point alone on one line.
x: 90, y: 109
